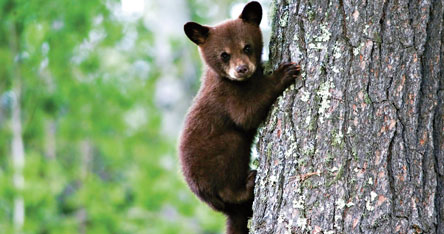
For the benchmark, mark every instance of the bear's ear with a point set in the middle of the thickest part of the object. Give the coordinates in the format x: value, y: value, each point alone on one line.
x: 252, y: 13
x: 196, y: 32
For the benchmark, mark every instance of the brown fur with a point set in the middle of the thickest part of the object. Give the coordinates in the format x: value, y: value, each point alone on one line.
x: 222, y: 122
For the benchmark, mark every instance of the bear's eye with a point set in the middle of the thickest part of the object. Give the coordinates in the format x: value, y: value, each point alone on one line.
x: 225, y: 56
x: 247, y: 49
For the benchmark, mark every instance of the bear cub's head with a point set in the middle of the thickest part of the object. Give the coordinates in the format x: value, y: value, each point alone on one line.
x: 233, y: 48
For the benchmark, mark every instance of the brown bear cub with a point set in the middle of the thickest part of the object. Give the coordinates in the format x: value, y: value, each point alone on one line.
x: 233, y: 100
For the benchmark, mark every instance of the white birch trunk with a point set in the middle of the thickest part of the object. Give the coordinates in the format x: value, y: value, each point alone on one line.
x: 86, y: 150
x: 18, y: 162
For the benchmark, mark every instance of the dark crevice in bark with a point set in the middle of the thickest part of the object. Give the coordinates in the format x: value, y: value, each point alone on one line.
x: 382, y: 20
x: 334, y: 212
x: 391, y: 178
x: 438, y: 122
x: 349, y: 148
x: 418, y: 109
x: 344, y: 24
x: 361, y: 230
x: 411, y: 15
x: 297, y: 6
x: 367, y: 88
x: 427, y: 110
x: 346, y: 121
x: 437, y: 128
x: 438, y: 140
x: 387, y: 91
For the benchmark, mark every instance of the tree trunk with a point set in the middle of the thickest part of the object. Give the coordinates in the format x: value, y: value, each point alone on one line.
x: 18, y: 162
x: 357, y: 145
x: 17, y: 146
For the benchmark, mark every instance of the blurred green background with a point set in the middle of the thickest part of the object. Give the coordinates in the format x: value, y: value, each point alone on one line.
x: 92, y: 97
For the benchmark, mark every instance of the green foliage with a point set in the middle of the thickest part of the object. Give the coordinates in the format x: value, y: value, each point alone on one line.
x: 97, y: 160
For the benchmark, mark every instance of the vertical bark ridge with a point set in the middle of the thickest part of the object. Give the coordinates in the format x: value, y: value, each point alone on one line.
x: 439, y: 156
x: 391, y: 182
x: 438, y: 140
x: 431, y: 60
x: 346, y: 121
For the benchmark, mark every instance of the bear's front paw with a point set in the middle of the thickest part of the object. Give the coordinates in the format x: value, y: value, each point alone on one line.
x: 287, y: 72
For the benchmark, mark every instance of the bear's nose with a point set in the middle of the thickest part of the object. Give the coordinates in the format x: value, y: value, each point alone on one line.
x: 242, y: 69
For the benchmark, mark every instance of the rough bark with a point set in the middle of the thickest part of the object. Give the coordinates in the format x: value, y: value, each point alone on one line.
x: 357, y: 146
